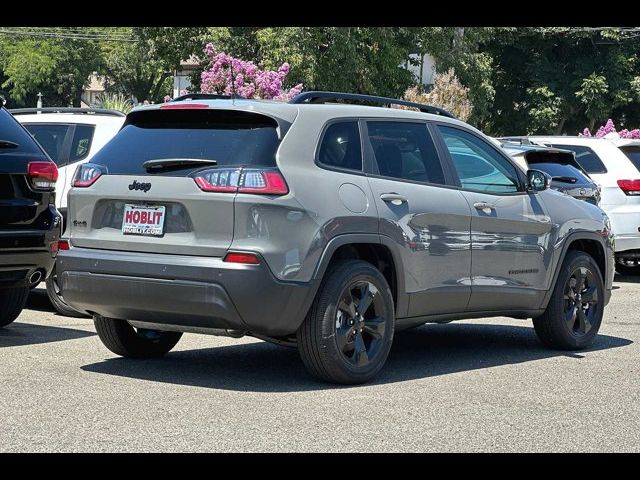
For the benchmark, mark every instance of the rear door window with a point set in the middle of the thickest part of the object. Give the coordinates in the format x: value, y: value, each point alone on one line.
x: 340, y: 146
x: 232, y: 138
x: 405, y: 150
x: 51, y: 137
x: 633, y: 153
x: 586, y: 157
x: 81, y: 142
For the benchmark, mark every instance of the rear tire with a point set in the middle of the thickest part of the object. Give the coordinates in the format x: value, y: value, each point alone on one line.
x: 574, y: 313
x: 347, y: 334
x: 12, y: 302
x: 53, y: 292
x: 126, y: 341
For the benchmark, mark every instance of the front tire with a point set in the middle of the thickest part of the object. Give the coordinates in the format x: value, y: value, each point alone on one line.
x: 127, y: 341
x: 574, y: 313
x: 12, y: 302
x: 55, y: 297
x: 347, y: 335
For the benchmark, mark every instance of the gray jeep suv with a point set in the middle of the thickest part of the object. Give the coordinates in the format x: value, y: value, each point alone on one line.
x: 328, y: 226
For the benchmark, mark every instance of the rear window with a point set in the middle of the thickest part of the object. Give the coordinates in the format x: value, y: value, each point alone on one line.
x: 12, y: 131
x: 231, y: 138
x: 633, y: 153
x: 51, y: 137
x: 557, y: 170
x: 587, y: 158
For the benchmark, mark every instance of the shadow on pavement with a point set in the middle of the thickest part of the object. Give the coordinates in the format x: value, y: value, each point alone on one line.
x: 17, y: 334
x: 425, y: 352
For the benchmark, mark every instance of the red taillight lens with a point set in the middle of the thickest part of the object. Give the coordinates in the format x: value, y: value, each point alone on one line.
x: 630, y: 187
x: 87, y: 174
x: 43, y: 175
x: 63, y: 244
x: 242, y: 180
x: 237, y: 257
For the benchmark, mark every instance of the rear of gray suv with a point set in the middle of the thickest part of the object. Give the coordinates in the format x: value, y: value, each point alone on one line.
x: 323, y: 226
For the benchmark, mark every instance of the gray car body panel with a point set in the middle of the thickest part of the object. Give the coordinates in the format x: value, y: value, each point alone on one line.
x: 451, y: 260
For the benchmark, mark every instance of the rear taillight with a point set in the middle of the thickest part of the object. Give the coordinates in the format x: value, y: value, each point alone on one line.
x: 241, y: 257
x: 42, y: 175
x: 630, y: 187
x: 242, y: 180
x: 87, y: 174
x: 63, y: 245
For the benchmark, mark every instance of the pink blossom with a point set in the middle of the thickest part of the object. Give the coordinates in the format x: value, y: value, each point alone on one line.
x: 249, y: 80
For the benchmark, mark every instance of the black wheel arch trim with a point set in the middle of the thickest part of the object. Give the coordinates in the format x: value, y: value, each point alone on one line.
x: 402, y: 300
x: 570, y: 238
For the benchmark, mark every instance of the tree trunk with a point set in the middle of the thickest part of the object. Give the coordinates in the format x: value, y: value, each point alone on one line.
x: 560, y: 126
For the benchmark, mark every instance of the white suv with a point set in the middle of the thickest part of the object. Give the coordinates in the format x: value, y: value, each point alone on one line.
x: 71, y: 136
x: 614, y: 163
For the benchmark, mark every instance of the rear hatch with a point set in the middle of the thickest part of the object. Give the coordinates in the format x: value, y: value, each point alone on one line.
x: 166, y: 183
x: 23, y: 204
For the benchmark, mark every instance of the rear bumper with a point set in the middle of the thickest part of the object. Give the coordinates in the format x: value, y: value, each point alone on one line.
x: 23, y: 252
x: 180, y: 290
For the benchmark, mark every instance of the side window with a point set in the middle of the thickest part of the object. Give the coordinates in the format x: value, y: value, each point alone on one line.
x: 586, y: 158
x: 480, y: 167
x: 50, y: 137
x: 340, y: 146
x: 81, y: 142
x: 405, y: 150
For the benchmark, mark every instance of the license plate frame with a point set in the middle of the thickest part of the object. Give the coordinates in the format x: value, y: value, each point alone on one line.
x: 148, y: 223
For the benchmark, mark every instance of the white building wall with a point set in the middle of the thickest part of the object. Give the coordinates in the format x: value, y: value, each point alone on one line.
x: 181, y: 81
x: 428, y: 69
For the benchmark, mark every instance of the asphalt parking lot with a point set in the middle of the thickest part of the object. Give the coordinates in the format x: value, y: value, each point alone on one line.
x: 481, y: 385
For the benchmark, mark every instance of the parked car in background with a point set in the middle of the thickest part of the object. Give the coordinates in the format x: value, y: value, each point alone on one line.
x: 71, y: 136
x: 612, y: 164
x: 567, y: 176
x: 30, y: 225
x: 324, y: 226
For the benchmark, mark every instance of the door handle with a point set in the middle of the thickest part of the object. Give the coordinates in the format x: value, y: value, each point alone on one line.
x: 484, y: 206
x: 393, y: 197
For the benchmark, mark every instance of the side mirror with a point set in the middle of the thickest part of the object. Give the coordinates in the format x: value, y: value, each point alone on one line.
x: 537, y: 180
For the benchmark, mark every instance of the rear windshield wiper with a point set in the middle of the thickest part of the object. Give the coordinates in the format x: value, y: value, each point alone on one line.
x: 169, y: 163
x: 8, y: 144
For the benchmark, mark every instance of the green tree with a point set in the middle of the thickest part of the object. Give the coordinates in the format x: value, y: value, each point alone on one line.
x: 58, y: 67
x: 145, y: 67
x: 353, y: 59
x: 560, y: 79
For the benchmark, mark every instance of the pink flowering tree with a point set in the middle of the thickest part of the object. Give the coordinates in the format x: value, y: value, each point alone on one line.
x: 227, y: 74
x: 609, y: 129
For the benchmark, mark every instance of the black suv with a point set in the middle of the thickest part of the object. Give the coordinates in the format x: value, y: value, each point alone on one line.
x: 30, y: 225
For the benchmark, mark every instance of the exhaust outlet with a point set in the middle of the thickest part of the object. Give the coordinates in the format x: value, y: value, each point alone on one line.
x: 35, y: 278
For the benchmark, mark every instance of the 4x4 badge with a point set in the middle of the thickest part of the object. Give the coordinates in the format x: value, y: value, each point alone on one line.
x: 145, y: 187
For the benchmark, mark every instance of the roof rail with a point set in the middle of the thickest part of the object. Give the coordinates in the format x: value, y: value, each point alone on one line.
x: 99, y: 111
x: 323, y: 97
x: 206, y: 96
